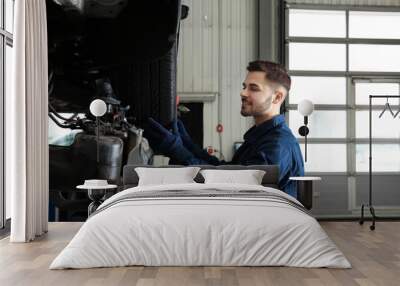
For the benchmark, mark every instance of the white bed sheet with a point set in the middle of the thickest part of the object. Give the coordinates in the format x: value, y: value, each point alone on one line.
x: 200, y: 231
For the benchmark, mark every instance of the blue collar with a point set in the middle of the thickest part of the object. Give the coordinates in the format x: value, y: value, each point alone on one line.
x: 257, y: 131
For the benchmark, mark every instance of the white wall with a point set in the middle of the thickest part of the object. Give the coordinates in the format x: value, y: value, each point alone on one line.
x: 217, y: 40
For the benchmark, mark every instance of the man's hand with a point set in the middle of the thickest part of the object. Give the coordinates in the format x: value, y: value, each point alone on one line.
x: 161, y: 139
x: 171, y: 144
x: 168, y: 143
x: 191, y: 146
x: 186, y: 139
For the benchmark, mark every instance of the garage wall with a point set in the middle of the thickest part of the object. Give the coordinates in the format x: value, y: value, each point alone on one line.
x: 217, y: 40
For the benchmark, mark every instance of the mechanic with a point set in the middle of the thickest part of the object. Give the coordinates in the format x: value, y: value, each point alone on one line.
x: 268, y: 142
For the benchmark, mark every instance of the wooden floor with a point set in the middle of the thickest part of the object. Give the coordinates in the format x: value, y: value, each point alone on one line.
x: 375, y: 257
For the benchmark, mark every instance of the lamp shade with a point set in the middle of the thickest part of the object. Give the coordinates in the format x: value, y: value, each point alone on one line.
x: 305, y: 107
x: 98, y: 107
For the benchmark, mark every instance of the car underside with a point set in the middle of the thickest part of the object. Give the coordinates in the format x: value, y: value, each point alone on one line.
x: 124, y: 53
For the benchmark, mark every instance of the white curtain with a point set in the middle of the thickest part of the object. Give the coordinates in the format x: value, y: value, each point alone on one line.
x: 27, y: 124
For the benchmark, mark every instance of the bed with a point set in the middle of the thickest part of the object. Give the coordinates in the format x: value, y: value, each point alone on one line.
x: 197, y: 224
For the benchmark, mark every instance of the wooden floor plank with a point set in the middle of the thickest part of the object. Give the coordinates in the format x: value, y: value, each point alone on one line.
x: 375, y: 257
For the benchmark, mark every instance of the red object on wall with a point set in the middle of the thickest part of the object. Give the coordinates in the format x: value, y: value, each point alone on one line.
x: 220, y: 128
x: 177, y: 100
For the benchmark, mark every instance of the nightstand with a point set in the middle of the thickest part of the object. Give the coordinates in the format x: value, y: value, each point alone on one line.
x: 305, y: 189
x: 96, y: 194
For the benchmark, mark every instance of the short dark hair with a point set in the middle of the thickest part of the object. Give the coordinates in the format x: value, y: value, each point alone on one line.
x: 274, y: 72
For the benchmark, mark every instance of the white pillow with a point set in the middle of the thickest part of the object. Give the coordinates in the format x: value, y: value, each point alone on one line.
x: 164, y: 176
x: 248, y: 177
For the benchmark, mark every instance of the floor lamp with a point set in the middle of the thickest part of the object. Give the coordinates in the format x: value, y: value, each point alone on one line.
x: 305, y: 108
x: 97, y: 108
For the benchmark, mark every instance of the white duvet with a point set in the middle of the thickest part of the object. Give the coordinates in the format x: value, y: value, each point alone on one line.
x: 200, y: 231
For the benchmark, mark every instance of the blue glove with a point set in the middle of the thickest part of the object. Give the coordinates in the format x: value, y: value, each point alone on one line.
x: 179, y: 128
x: 186, y: 139
x: 166, y: 142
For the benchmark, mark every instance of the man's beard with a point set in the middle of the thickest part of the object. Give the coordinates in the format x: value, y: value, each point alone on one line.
x: 258, y: 110
x: 244, y: 113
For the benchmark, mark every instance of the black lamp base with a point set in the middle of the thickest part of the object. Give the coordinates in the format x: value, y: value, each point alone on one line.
x: 303, y: 130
